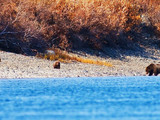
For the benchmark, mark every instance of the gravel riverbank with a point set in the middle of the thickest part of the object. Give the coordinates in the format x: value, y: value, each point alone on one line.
x: 19, y: 66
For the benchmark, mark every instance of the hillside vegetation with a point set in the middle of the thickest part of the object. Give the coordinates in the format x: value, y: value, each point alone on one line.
x: 31, y: 26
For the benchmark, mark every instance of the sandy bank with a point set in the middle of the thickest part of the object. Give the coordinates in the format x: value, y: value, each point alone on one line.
x: 19, y: 66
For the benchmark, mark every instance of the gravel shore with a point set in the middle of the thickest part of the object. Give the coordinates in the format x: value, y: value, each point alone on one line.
x: 19, y: 66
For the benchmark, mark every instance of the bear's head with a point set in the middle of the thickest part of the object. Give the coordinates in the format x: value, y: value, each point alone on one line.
x: 150, y: 68
x: 56, y: 65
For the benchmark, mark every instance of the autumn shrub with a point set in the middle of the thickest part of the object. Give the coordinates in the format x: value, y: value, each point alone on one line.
x: 149, y: 12
x: 69, y: 24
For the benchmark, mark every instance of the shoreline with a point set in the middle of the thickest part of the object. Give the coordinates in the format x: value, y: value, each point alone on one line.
x: 71, y: 78
x: 19, y: 66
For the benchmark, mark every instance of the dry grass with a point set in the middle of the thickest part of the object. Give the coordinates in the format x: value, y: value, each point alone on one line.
x: 65, y: 57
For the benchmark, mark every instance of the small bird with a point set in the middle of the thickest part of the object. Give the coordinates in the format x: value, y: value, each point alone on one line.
x: 56, y: 65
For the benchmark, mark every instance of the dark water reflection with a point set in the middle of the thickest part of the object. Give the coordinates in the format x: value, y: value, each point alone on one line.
x: 108, y: 98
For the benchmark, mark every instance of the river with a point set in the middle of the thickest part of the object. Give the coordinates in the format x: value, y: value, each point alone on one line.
x: 102, y: 98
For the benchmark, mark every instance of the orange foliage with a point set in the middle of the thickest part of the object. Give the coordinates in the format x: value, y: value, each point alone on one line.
x: 54, y: 20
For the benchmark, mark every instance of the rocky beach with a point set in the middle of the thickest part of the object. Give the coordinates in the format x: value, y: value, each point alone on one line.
x: 19, y: 66
x: 125, y: 34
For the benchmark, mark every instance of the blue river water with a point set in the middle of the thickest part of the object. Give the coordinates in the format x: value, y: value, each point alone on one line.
x: 103, y: 98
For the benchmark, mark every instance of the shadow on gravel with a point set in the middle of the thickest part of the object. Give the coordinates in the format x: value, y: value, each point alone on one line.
x: 111, y: 45
x: 122, y: 47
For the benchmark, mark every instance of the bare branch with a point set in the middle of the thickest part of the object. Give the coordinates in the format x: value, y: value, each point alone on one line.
x: 2, y: 33
x: 11, y: 22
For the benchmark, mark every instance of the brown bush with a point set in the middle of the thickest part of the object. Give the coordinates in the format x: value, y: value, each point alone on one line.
x: 56, y: 23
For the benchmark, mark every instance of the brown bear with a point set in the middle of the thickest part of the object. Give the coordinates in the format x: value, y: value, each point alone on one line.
x: 153, y: 68
x: 56, y: 65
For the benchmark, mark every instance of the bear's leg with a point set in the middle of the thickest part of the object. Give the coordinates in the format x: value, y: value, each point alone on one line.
x: 150, y: 73
x: 156, y: 73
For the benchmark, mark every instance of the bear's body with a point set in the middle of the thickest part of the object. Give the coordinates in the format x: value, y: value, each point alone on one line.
x: 56, y: 65
x: 153, y: 69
